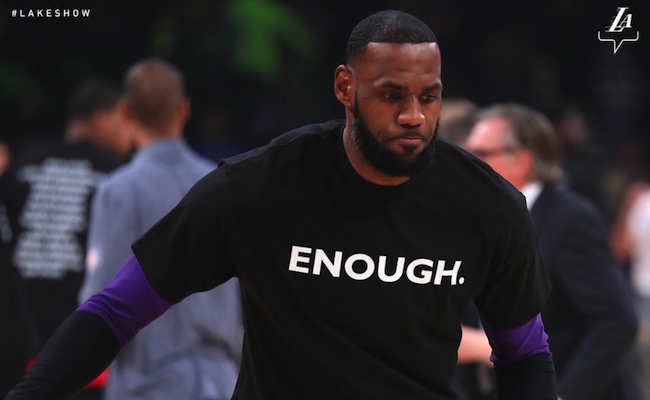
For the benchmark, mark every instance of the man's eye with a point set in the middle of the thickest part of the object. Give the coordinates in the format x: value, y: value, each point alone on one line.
x: 391, y: 96
x: 429, y: 98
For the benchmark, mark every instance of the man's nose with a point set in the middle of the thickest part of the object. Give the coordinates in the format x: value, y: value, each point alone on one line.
x: 411, y: 115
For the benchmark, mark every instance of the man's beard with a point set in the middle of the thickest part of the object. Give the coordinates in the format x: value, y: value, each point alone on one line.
x: 383, y: 159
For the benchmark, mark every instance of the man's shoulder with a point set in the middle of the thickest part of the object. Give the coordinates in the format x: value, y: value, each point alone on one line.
x: 291, y: 142
x: 121, y: 180
x: 312, y: 131
x: 568, y: 203
x: 200, y: 164
x: 469, y: 176
x: 459, y: 162
x: 561, y: 209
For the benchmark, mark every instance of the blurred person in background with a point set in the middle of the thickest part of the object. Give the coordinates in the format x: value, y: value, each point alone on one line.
x: 47, y: 190
x: 625, y: 177
x: 631, y: 243
x: 13, y: 332
x: 5, y: 155
x: 457, y: 117
x: 193, y: 351
x: 638, y: 226
x: 589, y: 315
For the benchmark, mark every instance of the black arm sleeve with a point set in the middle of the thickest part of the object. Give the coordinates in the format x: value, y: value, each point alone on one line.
x: 80, y: 349
x: 530, y: 379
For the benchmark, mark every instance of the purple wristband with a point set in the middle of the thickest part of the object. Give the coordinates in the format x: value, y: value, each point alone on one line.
x: 515, y: 344
x: 128, y: 303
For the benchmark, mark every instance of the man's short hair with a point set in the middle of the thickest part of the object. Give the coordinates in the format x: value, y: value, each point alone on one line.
x: 154, y: 89
x: 388, y: 26
x: 93, y: 96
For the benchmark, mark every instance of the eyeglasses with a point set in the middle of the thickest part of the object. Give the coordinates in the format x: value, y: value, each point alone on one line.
x: 485, y: 153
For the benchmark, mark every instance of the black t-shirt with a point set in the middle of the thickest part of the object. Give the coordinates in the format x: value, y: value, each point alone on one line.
x: 47, y: 192
x: 350, y: 290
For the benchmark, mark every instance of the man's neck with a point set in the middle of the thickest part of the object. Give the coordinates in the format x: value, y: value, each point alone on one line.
x: 144, y: 138
x: 78, y: 131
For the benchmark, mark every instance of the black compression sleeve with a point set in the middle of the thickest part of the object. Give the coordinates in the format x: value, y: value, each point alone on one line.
x: 80, y: 349
x: 530, y: 379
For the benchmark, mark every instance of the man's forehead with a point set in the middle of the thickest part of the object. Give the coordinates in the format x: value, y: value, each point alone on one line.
x: 401, y: 61
x: 389, y: 45
x: 491, y: 128
x: 402, y: 52
x: 496, y: 124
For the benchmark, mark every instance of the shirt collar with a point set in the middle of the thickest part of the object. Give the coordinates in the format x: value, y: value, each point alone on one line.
x: 531, y: 192
x: 160, y: 150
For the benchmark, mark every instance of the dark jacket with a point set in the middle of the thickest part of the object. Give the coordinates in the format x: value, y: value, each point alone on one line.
x: 589, y: 315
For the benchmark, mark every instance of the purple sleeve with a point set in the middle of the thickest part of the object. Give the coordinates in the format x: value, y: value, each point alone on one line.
x: 515, y: 344
x: 128, y: 303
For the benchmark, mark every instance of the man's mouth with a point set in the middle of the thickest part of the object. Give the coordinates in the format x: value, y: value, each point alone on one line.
x: 410, y: 140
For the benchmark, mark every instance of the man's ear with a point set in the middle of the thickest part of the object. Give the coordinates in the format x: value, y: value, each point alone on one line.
x: 344, y: 86
x: 125, y: 111
x: 185, y: 110
x: 525, y: 160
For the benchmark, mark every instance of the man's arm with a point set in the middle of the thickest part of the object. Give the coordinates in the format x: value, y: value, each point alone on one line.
x: 523, y: 364
x: 80, y: 349
x: 87, y: 342
x: 474, y: 347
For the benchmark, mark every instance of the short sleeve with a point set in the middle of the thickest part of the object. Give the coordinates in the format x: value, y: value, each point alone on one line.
x: 517, y: 284
x: 186, y: 251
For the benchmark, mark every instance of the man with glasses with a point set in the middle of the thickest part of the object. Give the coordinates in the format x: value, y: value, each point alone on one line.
x: 589, y: 315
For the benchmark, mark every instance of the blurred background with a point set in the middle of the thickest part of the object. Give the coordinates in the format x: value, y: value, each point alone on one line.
x: 256, y: 68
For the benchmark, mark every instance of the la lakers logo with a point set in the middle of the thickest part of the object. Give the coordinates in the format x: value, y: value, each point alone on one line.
x: 616, y: 31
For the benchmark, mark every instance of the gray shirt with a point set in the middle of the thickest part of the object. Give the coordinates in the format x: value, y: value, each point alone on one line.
x: 193, y: 350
